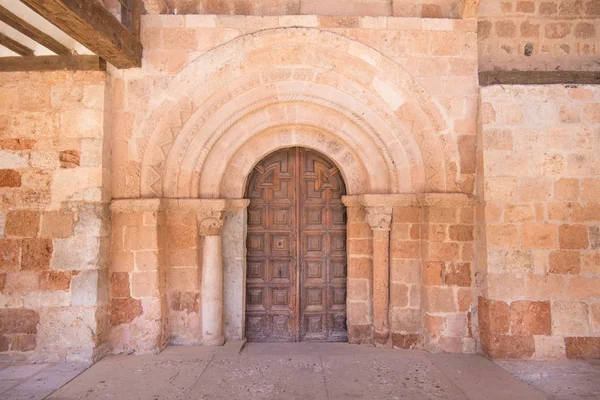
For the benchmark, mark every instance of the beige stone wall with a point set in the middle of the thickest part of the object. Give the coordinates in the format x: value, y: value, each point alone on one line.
x: 138, y: 278
x: 399, y: 8
x: 54, y: 220
x: 541, y: 185
x: 539, y: 35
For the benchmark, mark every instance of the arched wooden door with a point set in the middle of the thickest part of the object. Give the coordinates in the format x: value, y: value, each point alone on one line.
x: 296, y: 259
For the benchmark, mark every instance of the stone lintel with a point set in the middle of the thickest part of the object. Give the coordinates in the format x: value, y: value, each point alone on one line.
x: 408, y: 200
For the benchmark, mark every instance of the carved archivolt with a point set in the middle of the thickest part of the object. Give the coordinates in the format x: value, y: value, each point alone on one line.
x: 225, y: 90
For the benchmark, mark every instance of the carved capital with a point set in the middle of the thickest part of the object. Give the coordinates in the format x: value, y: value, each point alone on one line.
x: 379, y: 218
x: 210, y: 224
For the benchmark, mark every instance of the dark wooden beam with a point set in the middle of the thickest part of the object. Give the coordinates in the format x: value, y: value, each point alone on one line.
x: 52, y: 63
x: 15, y: 46
x: 34, y: 33
x: 487, y: 78
x: 137, y: 17
x: 95, y: 27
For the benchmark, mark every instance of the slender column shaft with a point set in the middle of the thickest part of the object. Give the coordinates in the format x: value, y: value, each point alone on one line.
x: 212, y: 291
x: 380, y: 218
x: 381, y: 285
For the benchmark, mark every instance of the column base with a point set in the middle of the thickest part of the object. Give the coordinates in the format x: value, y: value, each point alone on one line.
x: 218, y: 341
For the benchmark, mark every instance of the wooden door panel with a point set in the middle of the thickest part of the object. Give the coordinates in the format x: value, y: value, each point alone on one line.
x: 296, y: 249
x: 323, y: 249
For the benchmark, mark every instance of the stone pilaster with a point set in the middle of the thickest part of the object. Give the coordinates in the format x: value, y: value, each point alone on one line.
x: 379, y: 219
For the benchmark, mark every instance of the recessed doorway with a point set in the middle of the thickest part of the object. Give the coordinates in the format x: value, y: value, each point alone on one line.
x: 296, y: 249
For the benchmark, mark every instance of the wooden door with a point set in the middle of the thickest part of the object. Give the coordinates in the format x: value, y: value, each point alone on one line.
x: 296, y: 260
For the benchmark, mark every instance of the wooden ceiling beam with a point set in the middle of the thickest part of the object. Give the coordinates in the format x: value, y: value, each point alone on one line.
x: 34, y: 33
x: 93, y: 26
x: 15, y: 46
x: 52, y: 63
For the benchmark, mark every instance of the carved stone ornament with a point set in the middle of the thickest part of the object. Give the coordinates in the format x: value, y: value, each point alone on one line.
x: 210, y: 225
x: 379, y: 218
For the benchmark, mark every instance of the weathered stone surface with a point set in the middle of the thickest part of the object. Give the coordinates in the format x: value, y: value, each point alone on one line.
x: 76, y: 253
x: 22, y: 223
x: 55, y: 280
x: 124, y: 311
x: 582, y: 347
x: 69, y: 158
x: 18, y: 320
x: 505, y: 346
x: 530, y: 318
x: 10, y: 178
x: 84, y: 289
x: 185, y: 301
x: 494, y: 316
x: 119, y: 285
x: 565, y: 262
x: 458, y: 274
x: 406, y: 341
x: 10, y: 250
x: 57, y: 224
x: 36, y: 254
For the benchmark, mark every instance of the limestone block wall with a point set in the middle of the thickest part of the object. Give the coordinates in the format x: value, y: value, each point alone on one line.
x: 541, y: 223
x: 138, y: 278
x: 406, y: 319
x: 447, y: 277
x: 400, y: 8
x: 539, y: 35
x: 54, y: 218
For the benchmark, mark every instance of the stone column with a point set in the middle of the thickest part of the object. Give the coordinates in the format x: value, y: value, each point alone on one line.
x: 380, y: 218
x: 209, y: 229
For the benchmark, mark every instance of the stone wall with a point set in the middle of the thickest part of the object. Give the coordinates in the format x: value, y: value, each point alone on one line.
x: 399, y: 8
x: 54, y: 221
x: 138, y: 278
x: 541, y: 223
x: 539, y: 35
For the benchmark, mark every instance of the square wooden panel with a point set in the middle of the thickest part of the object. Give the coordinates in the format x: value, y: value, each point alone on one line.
x: 338, y: 245
x: 255, y: 299
x: 280, y: 297
x: 338, y: 269
x: 281, y: 218
x: 279, y: 269
x: 280, y: 245
x: 337, y: 297
x: 281, y: 325
x: 256, y: 218
x: 314, y: 245
x: 338, y: 217
x: 256, y: 323
x: 314, y: 297
x: 256, y: 244
x: 313, y: 324
x: 314, y: 269
x: 337, y: 325
x: 314, y: 218
x: 256, y: 270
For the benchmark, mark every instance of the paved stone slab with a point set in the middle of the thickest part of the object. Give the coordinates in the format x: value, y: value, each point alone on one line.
x: 568, y: 380
x: 135, y: 377
x: 481, y: 379
x: 21, y: 371
x: 262, y: 377
x: 406, y: 375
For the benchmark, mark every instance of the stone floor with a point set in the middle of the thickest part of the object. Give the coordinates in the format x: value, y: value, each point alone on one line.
x: 301, y: 371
